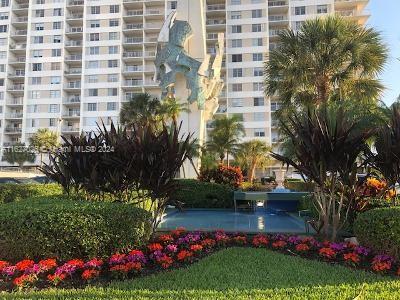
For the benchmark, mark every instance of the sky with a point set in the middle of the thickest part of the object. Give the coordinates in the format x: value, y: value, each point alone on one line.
x: 385, y: 17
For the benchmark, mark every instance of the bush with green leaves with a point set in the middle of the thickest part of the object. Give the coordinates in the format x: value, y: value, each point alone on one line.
x: 11, y: 192
x: 197, y: 194
x: 64, y: 229
x: 231, y: 176
x: 380, y: 229
x: 299, y: 185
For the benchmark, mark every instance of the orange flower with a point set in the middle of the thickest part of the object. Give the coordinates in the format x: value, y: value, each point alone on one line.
x: 47, y: 264
x: 327, y: 253
x: 24, y: 264
x: 196, y: 248
x: 76, y: 262
x: 352, y: 257
x: 390, y: 194
x: 3, y: 264
x: 302, y: 247
x: 165, y: 261
x: 241, y: 240
x: 155, y: 247
x: 381, y: 266
x: 260, y: 240
x: 177, y: 232
x: 279, y: 244
x: 90, y: 274
x: 133, y: 266
x: 208, y: 243
x: 165, y: 238
x: 184, y: 255
x: 24, y: 280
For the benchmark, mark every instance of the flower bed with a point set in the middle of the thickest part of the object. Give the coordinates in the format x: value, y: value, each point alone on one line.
x: 179, y: 248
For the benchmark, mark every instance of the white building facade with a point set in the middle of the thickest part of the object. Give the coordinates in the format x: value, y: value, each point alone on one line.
x: 67, y: 64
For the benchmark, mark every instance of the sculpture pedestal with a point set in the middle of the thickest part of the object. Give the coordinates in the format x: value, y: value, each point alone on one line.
x: 192, y: 123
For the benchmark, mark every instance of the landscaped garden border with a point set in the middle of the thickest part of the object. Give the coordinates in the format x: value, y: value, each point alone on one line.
x: 179, y: 248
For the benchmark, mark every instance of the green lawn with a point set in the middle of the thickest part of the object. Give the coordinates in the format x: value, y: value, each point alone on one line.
x: 241, y: 273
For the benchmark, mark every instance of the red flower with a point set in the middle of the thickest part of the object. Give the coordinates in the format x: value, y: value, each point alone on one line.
x: 24, y: 264
x: 302, y: 247
x: 165, y: 261
x: 279, y: 244
x: 3, y: 264
x: 155, y: 247
x: 78, y: 263
x: 177, y: 232
x: 24, y: 280
x: 240, y: 240
x: 136, y: 252
x: 327, y: 253
x: 196, y: 248
x: 133, y: 266
x: 56, y: 278
x: 95, y: 263
x: 208, y: 243
x: 165, y: 238
x: 47, y: 264
x: 184, y: 255
x: 260, y: 240
x: 352, y: 257
x: 90, y: 274
x: 381, y: 266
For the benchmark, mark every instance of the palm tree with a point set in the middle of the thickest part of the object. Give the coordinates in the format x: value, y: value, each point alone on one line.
x: 225, y: 136
x: 140, y: 109
x: 328, y: 59
x: 253, y: 154
x: 44, y: 140
x: 171, y: 108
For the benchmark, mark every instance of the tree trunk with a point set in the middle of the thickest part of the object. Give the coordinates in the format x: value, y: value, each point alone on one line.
x: 227, y: 158
x: 252, y: 173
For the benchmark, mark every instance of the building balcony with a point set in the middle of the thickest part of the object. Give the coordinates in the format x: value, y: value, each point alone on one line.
x: 74, y: 43
x: 75, y: 17
x: 133, y: 40
x: 133, y: 83
x: 73, y: 72
x: 77, y: 57
x: 133, y: 13
x: 15, y: 101
x: 216, y: 22
x: 19, y: 33
x: 129, y: 69
x: 72, y: 100
x: 14, y: 115
x: 22, y: 6
x: 12, y: 130
x: 132, y: 54
x: 216, y: 7
x: 133, y: 26
x: 72, y: 114
x: 73, y: 30
x: 277, y: 3
x: 76, y: 3
x: 16, y: 87
x: 73, y: 85
x: 70, y: 129
x: 20, y: 20
x: 18, y: 47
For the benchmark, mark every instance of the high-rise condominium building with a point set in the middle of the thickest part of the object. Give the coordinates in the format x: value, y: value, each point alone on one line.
x: 67, y: 64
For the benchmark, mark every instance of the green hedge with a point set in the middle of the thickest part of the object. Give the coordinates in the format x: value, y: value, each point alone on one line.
x: 64, y: 229
x: 299, y: 186
x: 198, y: 194
x: 380, y: 229
x: 11, y: 192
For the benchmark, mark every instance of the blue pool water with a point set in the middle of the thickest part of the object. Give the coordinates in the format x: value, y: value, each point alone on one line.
x: 230, y: 221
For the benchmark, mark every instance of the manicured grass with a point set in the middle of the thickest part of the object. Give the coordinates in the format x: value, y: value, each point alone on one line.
x: 241, y: 273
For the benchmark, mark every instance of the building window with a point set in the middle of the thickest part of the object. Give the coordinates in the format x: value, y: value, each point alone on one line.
x: 55, y: 80
x: 111, y: 105
x: 39, y: 26
x: 114, y: 23
x: 57, y: 39
x: 275, y: 106
x: 57, y: 12
x: 3, y: 28
x: 113, y: 36
x: 93, y: 92
x: 94, y: 50
x: 300, y: 10
x: 3, y: 16
x: 173, y: 5
x: 112, y: 92
x: 92, y: 106
x: 93, y: 64
x: 114, y: 9
x: 93, y: 78
x: 237, y: 72
x: 95, y: 10
x: 236, y: 57
x: 258, y: 86
x: 57, y: 25
x: 237, y: 102
x: 256, y: 13
x: 258, y: 101
x: 5, y: 3
x: 53, y: 108
x: 55, y: 52
x: 93, y: 37
x: 112, y: 49
x: 55, y: 94
x: 259, y: 132
x: 236, y: 15
x: 38, y: 39
x: 37, y: 67
x: 236, y: 43
x: 258, y: 42
x: 113, y: 63
x: 112, y: 78
x: 258, y: 72
x: 35, y: 95
x: 55, y: 66
x: 94, y: 24
x: 322, y: 9
x: 52, y: 122
x: 237, y: 87
x: 236, y: 2
x: 256, y: 27
x: 237, y: 29
x: 39, y: 13
x: 257, y: 56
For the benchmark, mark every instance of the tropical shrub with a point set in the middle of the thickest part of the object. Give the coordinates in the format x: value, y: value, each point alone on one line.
x: 10, y: 192
x: 254, y: 187
x: 61, y: 228
x: 138, y: 167
x: 380, y: 229
x: 198, y: 194
x: 299, y: 185
x: 231, y: 176
x: 18, y: 154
